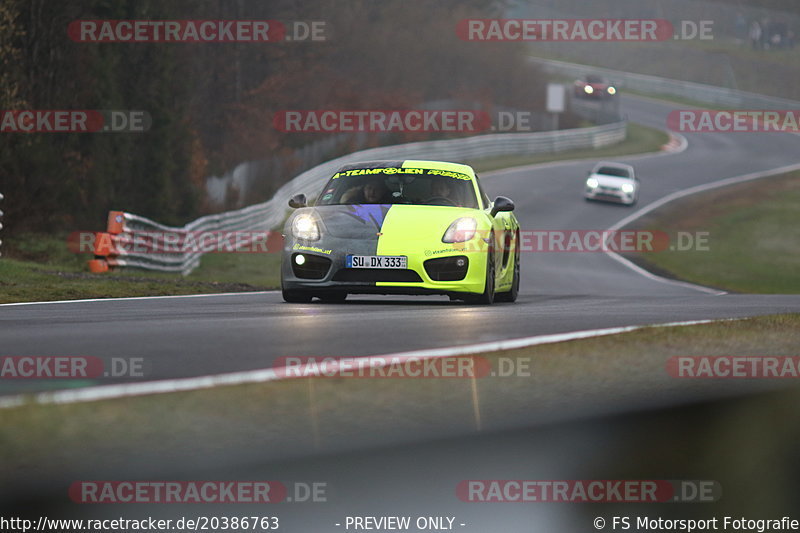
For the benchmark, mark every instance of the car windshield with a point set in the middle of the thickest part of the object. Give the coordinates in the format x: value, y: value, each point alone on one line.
x: 613, y: 171
x: 594, y: 79
x: 415, y: 186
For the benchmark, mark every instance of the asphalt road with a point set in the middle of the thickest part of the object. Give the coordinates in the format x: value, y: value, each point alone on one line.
x: 180, y: 337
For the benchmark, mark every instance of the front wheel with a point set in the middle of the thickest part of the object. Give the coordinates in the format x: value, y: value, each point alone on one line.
x: 511, y: 294
x: 487, y: 298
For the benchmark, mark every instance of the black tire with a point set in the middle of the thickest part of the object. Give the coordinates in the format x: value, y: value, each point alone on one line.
x: 296, y: 297
x: 511, y: 294
x: 333, y: 297
x: 487, y: 298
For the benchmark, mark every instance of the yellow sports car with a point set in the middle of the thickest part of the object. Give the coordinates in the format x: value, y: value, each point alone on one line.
x: 402, y: 227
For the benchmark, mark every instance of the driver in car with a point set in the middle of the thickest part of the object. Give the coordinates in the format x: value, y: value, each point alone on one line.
x: 372, y: 192
x: 441, y: 190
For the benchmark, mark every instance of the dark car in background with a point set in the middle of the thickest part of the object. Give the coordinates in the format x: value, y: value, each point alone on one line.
x: 594, y: 86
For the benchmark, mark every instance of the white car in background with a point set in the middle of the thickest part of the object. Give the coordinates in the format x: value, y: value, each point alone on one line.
x: 612, y: 182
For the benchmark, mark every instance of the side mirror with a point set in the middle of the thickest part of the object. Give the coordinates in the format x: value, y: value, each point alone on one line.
x: 501, y: 203
x: 298, y: 200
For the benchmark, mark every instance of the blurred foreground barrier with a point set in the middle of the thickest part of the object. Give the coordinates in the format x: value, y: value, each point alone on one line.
x: 271, y: 214
x: 1, y: 223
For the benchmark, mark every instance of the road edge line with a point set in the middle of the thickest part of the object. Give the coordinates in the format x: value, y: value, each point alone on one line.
x: 127, y: 390
x: 125, y: 298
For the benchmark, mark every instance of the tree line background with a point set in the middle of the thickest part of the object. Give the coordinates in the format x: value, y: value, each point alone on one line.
x: 212, y: 103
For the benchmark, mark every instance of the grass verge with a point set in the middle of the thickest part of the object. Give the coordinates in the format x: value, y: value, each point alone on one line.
x: 751, y: 237
x: 40, y: 267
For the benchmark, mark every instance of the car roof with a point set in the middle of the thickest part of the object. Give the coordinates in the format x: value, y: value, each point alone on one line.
x: 613, y: 164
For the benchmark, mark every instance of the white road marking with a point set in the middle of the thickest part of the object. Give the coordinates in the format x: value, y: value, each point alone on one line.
x: 139, y: 298
x: 126, y: 390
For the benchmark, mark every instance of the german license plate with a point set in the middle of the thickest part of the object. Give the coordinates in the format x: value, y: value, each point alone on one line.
x: 377, y: 261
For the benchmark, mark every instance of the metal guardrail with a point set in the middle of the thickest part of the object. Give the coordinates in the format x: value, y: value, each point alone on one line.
x: 233, y: 187
x: 708, y: 94
x: 270, y: 214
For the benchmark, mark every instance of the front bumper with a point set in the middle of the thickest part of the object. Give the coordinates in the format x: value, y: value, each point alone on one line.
x: 429, y: 271
x: 609, y: 195
x: 596, y: 94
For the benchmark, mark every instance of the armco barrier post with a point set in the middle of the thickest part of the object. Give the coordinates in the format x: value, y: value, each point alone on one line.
x: 104, y: 251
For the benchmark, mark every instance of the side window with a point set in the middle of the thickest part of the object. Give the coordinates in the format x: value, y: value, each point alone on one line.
x: 484, y: 199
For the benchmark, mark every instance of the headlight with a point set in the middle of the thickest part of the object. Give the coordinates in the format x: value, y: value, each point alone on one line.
x: 611, y: 90
x: 461, y: 230
x: 305, y: 227
x: 627, y: 188
x: 588, y: 89
x: 592, y: 183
